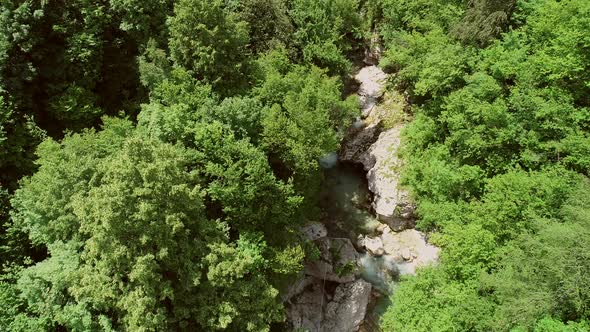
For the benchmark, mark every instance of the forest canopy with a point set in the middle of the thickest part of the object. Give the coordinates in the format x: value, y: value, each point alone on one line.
x: 158, y: 158
x: 497, y: 157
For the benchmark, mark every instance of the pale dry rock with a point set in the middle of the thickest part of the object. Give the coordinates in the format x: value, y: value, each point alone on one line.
x: 358, y: 141
x: 297, y: 287
x: 372, y: 80
x: 347, y: 310
x: 409, y: 249
x: 391, y: 203
x: 314, y: 231
x: 374, y: 245
x: 306, y: 311
x: 343, y: 311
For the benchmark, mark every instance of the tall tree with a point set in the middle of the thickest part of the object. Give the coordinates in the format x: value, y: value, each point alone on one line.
x: 131, y: 244
x: 269, y: 24
x: 324, y: 31
x: 484, y: 20
x: 210, y: 41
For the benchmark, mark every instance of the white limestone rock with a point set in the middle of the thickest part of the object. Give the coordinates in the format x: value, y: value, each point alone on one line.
x: 372, y: 80
x: 409, y: 250
x: 343, y: 311
x: 391, y: 203
x: 358, y: 142
x: 374, y: 245
x: 306, y: 311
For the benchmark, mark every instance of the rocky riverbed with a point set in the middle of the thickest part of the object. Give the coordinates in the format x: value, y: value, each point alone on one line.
x: 367, y: 240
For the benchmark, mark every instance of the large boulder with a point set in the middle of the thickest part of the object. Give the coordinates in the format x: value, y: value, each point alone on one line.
x: 408, y: 249
x: 337, y: 261
x: 373, y: 51
x: 314, y: 230
x: 373, y: 245
x: 347, y: 310
x: 306, y: 311
x: 342, y: 311
x: 391, y: 203
x: 364, y: 133
x: 372, y: 81
x: 296, y: 287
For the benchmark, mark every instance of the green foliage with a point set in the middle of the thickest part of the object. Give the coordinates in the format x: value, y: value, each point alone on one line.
x: 88, y: 228
x: 215, y: 48
x: 62, y: 66
x: 509, y: 253
x: 418, y: 15
x: 154, y: 65
x: 434, y: 176
x: 242, y: 182
x: 492, y: 157
x: 468, y: 249
x: 243, y: 115
x: 430, y: 63
x: 552, y: 325
x: 65, y: 62
x: 484, y: 20
x: 189, y: 218
x: 178, y: 102
x: 222, y: 138
x: 431, y: 302
x: 304, y: 110
x: 235, y: 268
x: 143, y: 19
x: 548, y: 272
x: 268, y: 22
x: 514, y: 201
x: 131, y: 244
x: 548, y: 269
x: 303, y: 120
x: 346, y: 269
x: 324, y: 31
x: 480, y: 128
x: 18, y: 136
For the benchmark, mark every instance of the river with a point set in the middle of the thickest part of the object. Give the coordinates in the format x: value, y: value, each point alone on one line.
x: 368, y: 214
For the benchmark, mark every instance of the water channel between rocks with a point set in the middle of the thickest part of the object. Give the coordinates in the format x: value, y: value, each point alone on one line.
x: 346, y: 200
x: 366, y: 237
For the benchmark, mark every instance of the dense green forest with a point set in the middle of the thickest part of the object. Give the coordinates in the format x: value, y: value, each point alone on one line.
x: 157, y: 158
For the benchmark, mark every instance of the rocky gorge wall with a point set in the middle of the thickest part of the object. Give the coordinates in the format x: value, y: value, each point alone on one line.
x: 367, y: 239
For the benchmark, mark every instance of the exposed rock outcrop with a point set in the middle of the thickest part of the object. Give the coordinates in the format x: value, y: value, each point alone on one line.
x: 297, y: 287
x: 337, y: 261
x: 330, y: 294
x: 306, y: 311
x: 408, y: 249
x: 358, y: 142
x: 372, y: 80
x: 314, y: 231
x: 391, y: 203
x: 376, y: 149
x: 364, y: 133
x: 343, y: 311
x: 348, y: 307
x: 373, y: 245
x: 373, y: 52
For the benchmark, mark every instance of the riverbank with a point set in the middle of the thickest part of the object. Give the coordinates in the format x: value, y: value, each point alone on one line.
x: 366, y: 238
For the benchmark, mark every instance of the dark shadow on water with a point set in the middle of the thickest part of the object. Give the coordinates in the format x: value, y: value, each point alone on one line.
x: 346, y: 201
x: 346, y: 204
